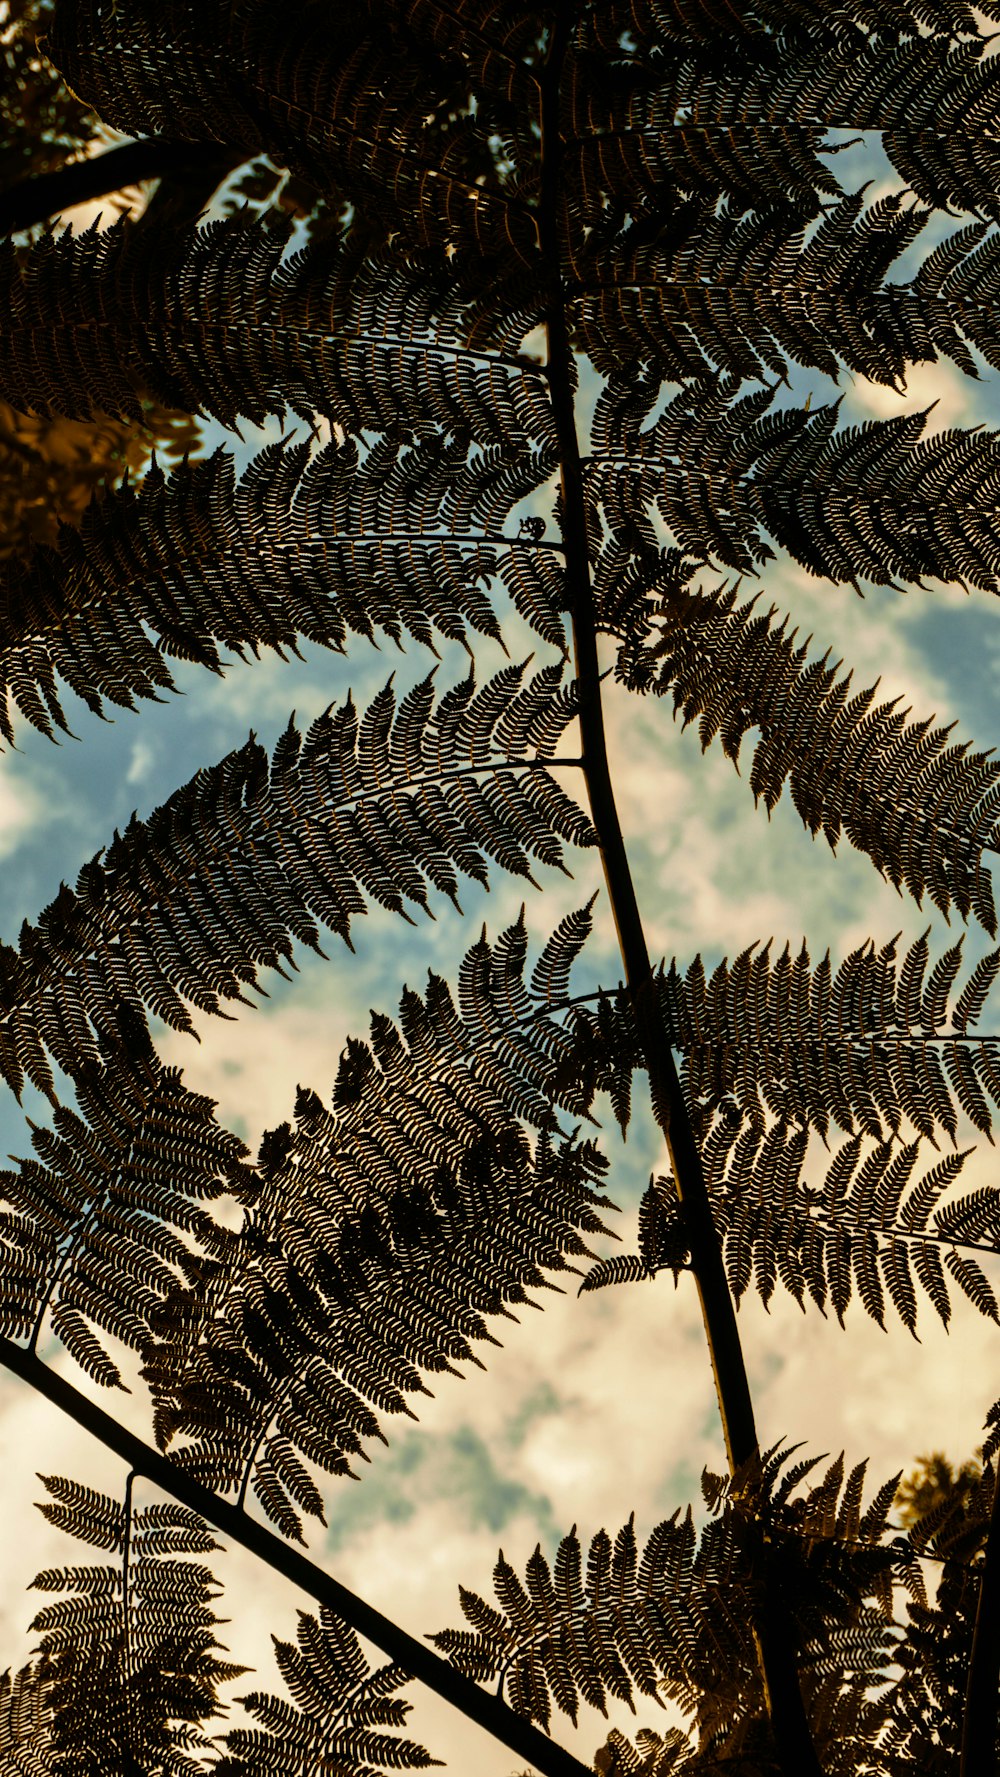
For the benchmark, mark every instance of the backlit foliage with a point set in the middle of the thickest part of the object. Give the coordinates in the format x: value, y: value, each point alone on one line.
x: 533, y: 292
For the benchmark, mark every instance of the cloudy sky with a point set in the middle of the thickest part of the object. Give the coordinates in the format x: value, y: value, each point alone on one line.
x: 603, y: 1404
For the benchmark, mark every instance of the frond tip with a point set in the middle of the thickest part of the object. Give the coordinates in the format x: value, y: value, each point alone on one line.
x: 341, y: 1718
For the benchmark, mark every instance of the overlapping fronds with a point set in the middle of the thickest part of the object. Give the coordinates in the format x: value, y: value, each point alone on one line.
x: 224, y: 322
x: 749, y: 293
x: 923, y: 807
x: 841, y: 1568
x: 863, y: 1048
x: 127, y: 1653
x: 311, y: 548
x: 935, y: 103
x: 426, y: 118
x: 653, y: 182
x: 675, y: 1621
x: 386, y: 805
x: 98, y: 1226
x: 878, y: 501
x: 925, y: 1708
x: 389, y: 1229
x: 25, y: 1722
x: 361, y: 101
x: 704, y: 21
x: 341, y: 1718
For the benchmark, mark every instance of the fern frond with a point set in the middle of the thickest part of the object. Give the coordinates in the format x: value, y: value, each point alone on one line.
x: 923, y: 807
x: 748, y: 294
x: 25, y: 1725
x: 384, y: 805
x: 955, y: 294
x: 389, y: 1230
x: 351, y: 102
x: 774, y: 1052
x: 674, y: 1620
x: 702, y: 21
x: 860, y: 1049
x: 877, y: 501
x: 299, y: 549
x: 870, y: 1230
x: 926, y: 1705
x: 341, y: 1712
x: 774, y: 165
x: 97, y: 1228
x: 223, y: 322
x: 127, y: 1658
x: 665, y: 1622
x: 934, y: 101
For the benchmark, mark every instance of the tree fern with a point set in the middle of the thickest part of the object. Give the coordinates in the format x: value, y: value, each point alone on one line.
x: 600, y: 246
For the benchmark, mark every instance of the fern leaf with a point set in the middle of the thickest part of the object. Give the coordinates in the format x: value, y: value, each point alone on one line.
x: 871, y: 1229
x: 25, y: 1724
x: 970, y: 1003
x: 915, y: 92
x: 877, y: 501
x: 811, y: 1048
x: 398, y: 1223
x: 745, y: 293
x: 335, y: 98
x: 127, y: 1661
x: 360, y: 340
x: 972, y: 1282
x: 102, y: 1223
x: 619, y: 1268
x: 303, y: 837
x: 921, y: 809
x: 200, y: 562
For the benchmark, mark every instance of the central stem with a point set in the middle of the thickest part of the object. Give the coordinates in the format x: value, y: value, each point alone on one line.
x: 772, y: 1630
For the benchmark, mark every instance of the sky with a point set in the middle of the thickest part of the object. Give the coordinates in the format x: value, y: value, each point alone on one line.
x: 603, y: 1404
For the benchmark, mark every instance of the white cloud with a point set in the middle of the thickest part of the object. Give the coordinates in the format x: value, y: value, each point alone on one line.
x: 140, y: 762
x: 23, y: 809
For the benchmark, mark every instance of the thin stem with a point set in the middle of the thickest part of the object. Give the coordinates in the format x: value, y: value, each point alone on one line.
x: 404, y: 1650
x: 774, y: 1641
x: 980, y: 1725
x: 733, y: 1389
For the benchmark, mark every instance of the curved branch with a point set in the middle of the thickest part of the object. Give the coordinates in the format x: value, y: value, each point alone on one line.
x: 35, y: 199
x: 480, y: 1706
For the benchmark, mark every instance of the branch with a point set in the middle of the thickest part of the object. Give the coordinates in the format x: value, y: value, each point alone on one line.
x: 979, y: 1728
x: 35, y: 199
x: 775, y: 1643
x: 488, y: 1711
